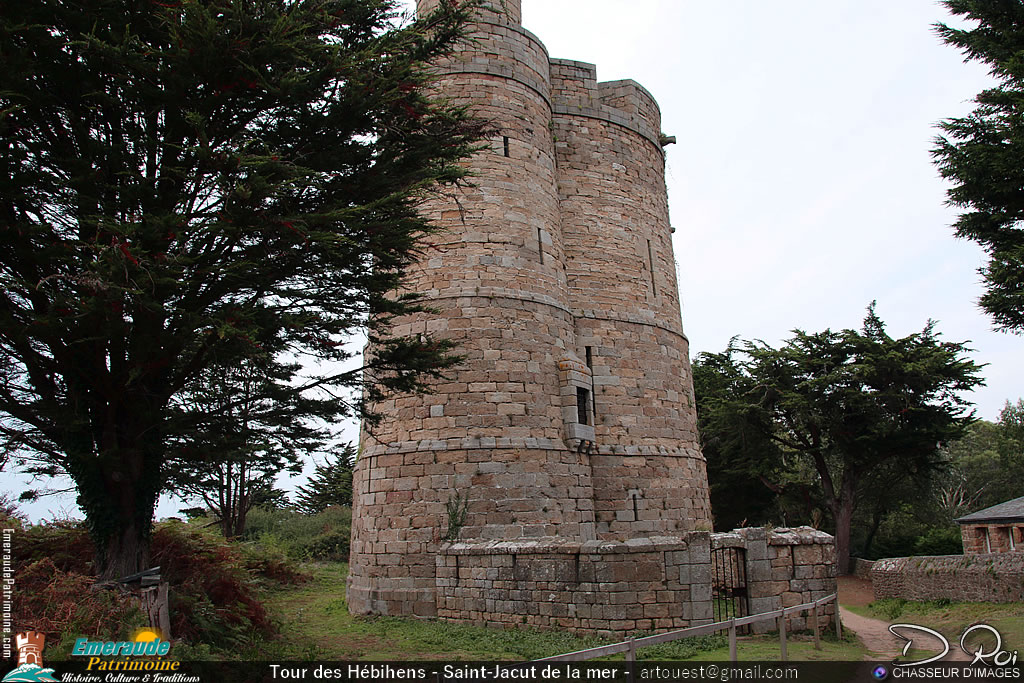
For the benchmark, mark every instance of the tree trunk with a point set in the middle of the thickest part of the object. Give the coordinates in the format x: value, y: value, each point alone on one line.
x: 125, y: 552
x: 876, y: 522
x: 118, y: 492
x: 843, y: 512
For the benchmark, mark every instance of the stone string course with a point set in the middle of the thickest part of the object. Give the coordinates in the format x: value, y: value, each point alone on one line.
x: 994, y: 577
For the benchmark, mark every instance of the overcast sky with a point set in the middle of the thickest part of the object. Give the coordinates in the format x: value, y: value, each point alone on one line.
x: 801, y: 187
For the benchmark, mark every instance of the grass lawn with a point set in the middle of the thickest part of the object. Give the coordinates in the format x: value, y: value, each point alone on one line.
x: 952, y: 618
x: 316, y: 624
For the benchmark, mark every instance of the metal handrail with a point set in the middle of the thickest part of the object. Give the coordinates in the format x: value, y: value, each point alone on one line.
x: 630, y: 646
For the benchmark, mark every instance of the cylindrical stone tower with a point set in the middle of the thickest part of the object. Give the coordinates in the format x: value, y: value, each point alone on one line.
x: 571, y: 420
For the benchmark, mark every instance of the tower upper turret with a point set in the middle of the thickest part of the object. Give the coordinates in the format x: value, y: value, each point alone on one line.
x: 495, y: 11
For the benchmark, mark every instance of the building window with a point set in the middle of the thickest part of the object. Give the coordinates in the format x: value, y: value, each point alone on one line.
x: 650, y: 263
x: 583, y: 405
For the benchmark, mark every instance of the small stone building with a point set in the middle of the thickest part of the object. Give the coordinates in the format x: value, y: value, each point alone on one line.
x: 997, y: 529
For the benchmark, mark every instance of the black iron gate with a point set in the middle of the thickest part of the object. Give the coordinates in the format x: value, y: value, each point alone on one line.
x: 729, y: 583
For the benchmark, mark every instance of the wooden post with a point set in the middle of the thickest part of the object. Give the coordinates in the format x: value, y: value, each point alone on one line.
x: 732, y: 640
x: 163, y: 600
x: 814, y: 625
x: 631, y: 658
x: 154, y: 602
x: 782, y: 636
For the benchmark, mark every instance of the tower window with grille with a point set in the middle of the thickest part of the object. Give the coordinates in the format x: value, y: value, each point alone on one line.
x: 583, y: 405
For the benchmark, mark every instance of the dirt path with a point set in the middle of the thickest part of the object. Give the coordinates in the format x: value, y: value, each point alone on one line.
x: 874, y: 633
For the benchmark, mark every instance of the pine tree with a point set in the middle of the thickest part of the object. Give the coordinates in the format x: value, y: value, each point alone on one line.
x: 185, y: 184
x: 331, y: 484
x: 983, y: 153
x: 860, y: 409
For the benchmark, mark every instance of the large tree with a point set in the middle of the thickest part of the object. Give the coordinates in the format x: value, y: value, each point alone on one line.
x: 239, y: 428
x: 986, y: 465
x: 982, y: 154
x: 854, y: 405
x: 184, y: 183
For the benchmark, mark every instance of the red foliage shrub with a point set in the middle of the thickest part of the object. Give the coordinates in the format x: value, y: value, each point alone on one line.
x: 214, y: 591
x: 58, y: 602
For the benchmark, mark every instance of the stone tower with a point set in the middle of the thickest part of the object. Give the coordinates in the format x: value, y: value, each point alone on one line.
x: 571, y: 424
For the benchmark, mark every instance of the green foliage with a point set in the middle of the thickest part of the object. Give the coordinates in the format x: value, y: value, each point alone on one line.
x: 214, y: 595
x: 330, y: 484
x: 982, y: 154
x: 746, y: 470
x: 891, y: 608
x: 986, y: 465
x: 323, y: 536
x: 192, y: 186
x: 245, y: 426
x: 457, y: 506
x: 863, y: 409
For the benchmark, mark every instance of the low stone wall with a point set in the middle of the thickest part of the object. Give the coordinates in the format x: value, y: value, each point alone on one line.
x: 995, y: 577
x: 861, y: 568
x: 803, y: 569
x: 642, y: 584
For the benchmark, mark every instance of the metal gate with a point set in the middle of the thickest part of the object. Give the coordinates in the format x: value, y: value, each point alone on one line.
x: 729, y: 583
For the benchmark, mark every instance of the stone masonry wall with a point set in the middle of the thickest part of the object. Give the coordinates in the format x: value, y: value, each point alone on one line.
x: 995, y: 577
x: 861, y: 568
x: 980, y: 539
x: 785, y: 567
x: 646, y: 584
x: 604, y: 586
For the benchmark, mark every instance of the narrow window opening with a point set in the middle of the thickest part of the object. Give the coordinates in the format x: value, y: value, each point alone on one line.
x: 582, y: 399
x: 636, y: 507
x: 650, y: 263
x: 590, y: 364
x: 506, y: 145
x: 540, y: 240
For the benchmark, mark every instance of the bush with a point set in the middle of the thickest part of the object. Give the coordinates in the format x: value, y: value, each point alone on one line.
x: 214, y: 584
x: 214, y: 596
x: 65, y: 543
x: 939, y: 541
x: 63, y: 605
x: 323, y: 536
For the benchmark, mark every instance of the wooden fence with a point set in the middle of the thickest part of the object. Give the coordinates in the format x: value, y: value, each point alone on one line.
x: 629, y: 647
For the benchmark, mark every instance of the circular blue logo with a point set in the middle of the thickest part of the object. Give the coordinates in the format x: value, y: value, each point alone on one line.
x: 880, y: 673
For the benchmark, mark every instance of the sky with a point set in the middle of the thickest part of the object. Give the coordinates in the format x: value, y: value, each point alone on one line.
x: 801, y: 187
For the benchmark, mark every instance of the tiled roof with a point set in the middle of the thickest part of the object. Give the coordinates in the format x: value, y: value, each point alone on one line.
x: 1010, y: 511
